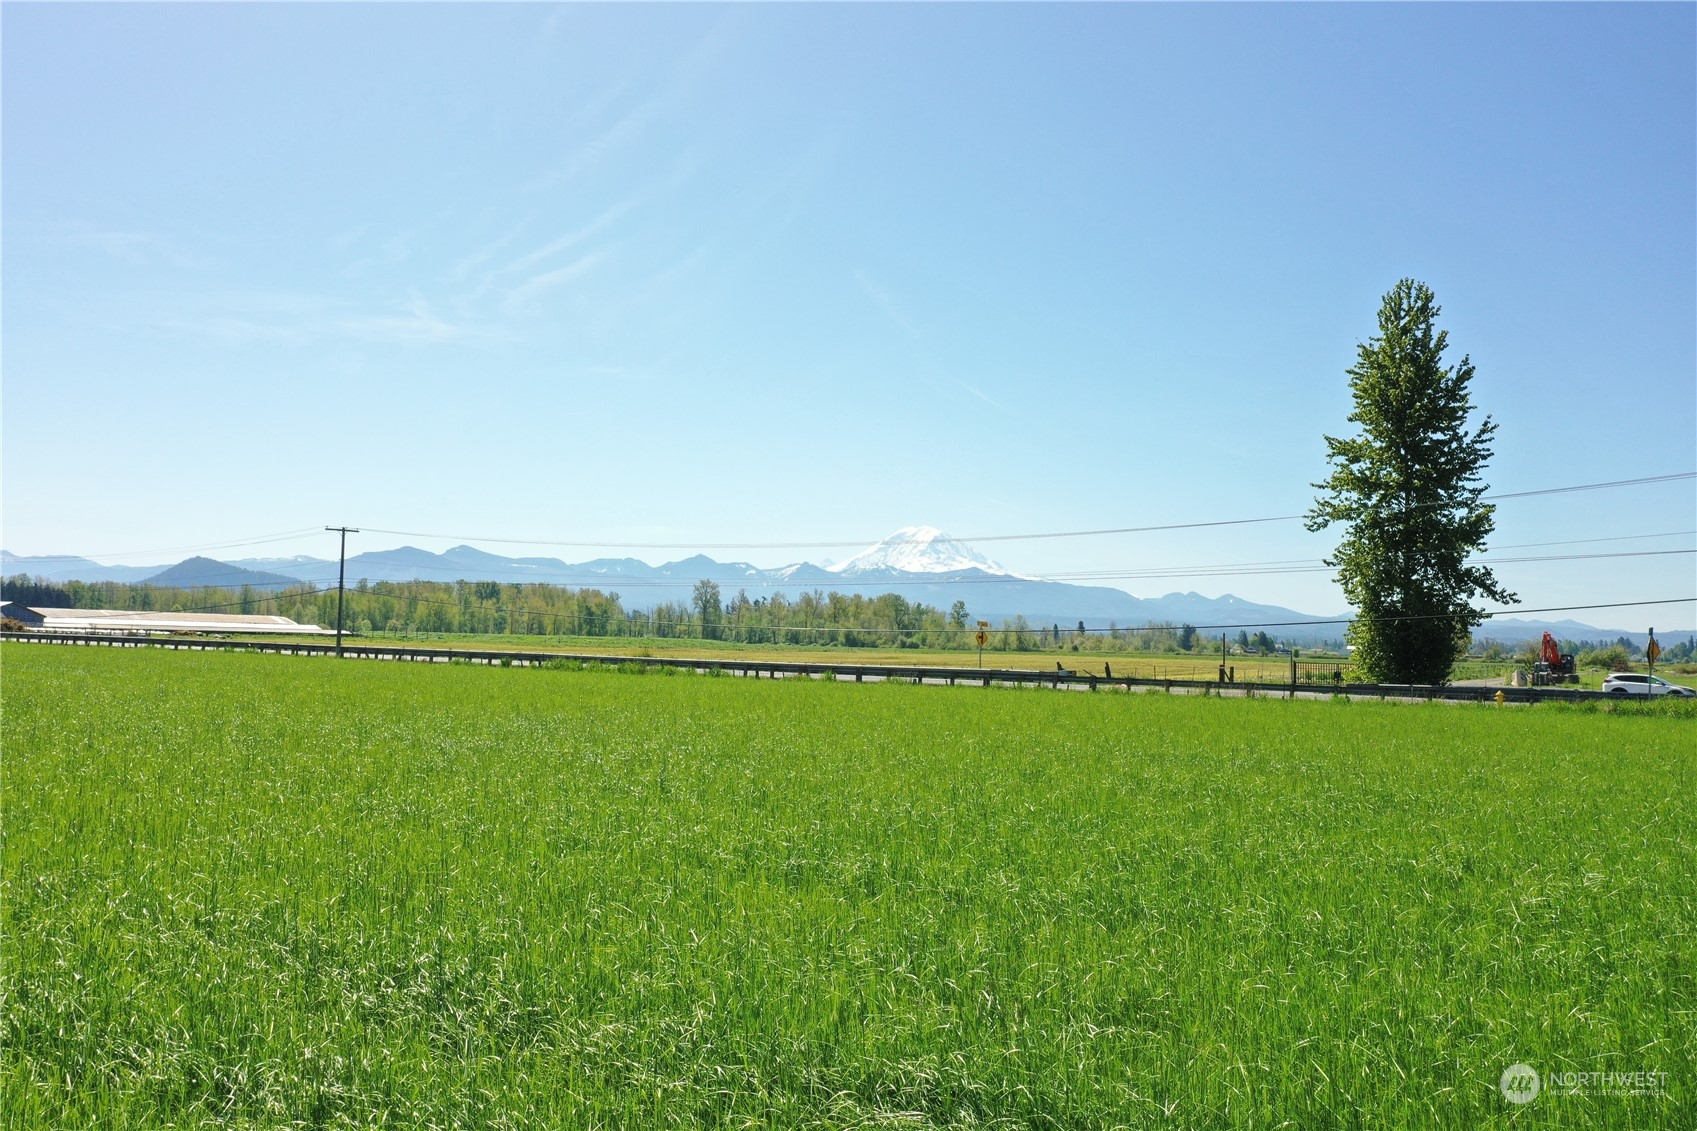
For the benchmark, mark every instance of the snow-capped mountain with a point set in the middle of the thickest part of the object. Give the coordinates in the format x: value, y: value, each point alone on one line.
x: 920, y: 563
x: 919, y: 549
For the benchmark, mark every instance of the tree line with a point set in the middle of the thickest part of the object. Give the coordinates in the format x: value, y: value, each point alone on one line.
x: 422, y: 608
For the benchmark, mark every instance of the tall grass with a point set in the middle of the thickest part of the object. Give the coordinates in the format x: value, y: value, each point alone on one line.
x: 259, y: 891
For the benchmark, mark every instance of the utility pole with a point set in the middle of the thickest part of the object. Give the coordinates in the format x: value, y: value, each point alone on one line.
x: 341, y: 581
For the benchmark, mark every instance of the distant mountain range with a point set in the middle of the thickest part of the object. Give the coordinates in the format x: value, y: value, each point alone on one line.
x: 53, y: 567
x: 919, y: 562
x: 1513, y: 630
x: 198, y: 573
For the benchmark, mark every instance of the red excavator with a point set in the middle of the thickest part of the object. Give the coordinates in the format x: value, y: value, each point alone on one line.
x: 1554, y: 665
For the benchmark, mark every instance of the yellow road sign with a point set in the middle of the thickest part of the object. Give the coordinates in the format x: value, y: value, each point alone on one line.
x: 983, y: 638
x: 1652, y: 650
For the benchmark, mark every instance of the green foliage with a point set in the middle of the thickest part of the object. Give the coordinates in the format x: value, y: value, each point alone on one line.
x: 25, y: 590
x: 707, y: 610
x: 255, y: 891
x: 1016, y: 636
x: 1614, y: 658
x: 1407, y: 488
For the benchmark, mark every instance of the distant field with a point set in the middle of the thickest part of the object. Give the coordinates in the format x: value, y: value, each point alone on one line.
x: 254, y: 891
x: 1142, y: 665
x: 1158, y: 665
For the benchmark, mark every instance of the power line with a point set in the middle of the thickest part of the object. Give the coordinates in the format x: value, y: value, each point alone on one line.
x: 1450, y: 616
x: 1244, y: 569
x: 1293, y: 567
x: 1612, y: 538
x: 1641, y: 481
x: 288, y: 535
x: 283, y: 536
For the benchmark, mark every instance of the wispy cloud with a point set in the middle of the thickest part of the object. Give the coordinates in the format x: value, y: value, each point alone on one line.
x: 476, y: 258
x: 887, y: 305
x: 481, y: 275
x: 570, y: 240
x: 398, y: 246
x: 684, y: 77
x: 131, y: 246
x: 419, y: 325
x: 299, y: 319
x: 743, y: 232
x: 980, y: 394
x: 629, y: 127
x: 342, y: 242
x: 660, y: 366
x: 527, y: 292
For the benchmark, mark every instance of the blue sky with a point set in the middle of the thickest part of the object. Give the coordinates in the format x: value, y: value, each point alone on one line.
x: 714, y: 274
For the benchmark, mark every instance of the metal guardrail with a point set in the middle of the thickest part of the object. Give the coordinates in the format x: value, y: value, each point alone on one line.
x: 778, y: 669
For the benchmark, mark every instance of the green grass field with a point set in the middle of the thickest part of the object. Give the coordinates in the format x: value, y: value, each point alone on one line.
x: 262, y: 891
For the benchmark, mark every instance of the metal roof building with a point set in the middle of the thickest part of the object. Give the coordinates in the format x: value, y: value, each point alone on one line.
x: 120, y: 620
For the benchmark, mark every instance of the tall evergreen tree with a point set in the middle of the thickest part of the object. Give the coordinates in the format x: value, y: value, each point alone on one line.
x: 1407, y: 489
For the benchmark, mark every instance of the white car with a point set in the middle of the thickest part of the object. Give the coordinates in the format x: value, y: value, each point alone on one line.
x: 1632, y: 683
